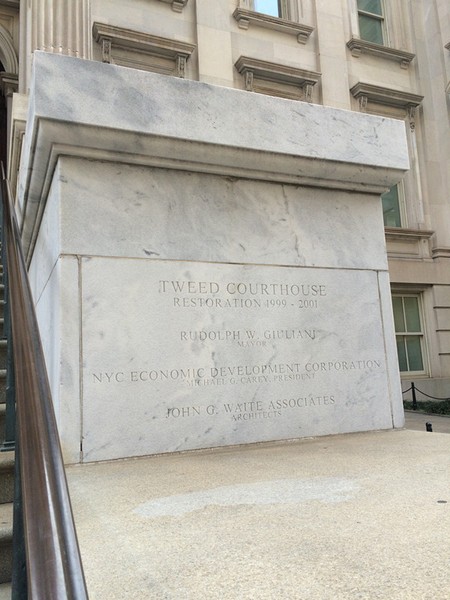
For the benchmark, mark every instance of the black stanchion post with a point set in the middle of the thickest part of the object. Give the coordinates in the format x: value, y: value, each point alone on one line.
x: 414, y: 399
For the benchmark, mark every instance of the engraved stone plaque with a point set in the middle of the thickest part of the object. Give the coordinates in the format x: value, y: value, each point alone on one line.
x: 183, y: 355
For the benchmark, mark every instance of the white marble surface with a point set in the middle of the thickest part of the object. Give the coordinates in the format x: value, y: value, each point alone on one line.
x: 122, y: 210
x: 58, y: 311
x: 130, y: 178
x: 89, y: 109
x: 218, y: 363
x: 109, y: 230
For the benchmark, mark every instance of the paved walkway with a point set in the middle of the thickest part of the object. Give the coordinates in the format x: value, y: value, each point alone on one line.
x: 359, y: 516
x: 418, y: 421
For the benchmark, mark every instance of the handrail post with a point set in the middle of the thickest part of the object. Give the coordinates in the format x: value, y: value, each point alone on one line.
x: 414, y: 399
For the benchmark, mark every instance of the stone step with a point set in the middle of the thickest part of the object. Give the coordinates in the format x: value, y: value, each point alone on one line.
x: 6, y: 525
x: 2, y: 425
x: 2, y: 386
x: 6, y: 477
x: 5, y: 591
x: 3, y: 353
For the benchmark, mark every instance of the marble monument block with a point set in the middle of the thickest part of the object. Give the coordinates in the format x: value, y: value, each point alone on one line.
x: 209, y: 265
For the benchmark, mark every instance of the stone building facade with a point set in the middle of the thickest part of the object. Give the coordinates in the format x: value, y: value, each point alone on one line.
x: 382, y: 57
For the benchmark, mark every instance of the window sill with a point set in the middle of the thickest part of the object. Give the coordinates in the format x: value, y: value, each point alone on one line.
x: 244, y: 17
x: 253, y: 69
x: 367, y: 92
x: 358, y: 47
x: 111, y: 38
x: 405, y: 243
x: 440, y: 252
x: 177, y: 5
x: 403, y: 233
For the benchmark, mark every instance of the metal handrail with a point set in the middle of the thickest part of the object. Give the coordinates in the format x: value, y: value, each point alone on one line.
x: 54, y: 569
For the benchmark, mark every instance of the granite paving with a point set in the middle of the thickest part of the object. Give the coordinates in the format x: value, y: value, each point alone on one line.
x: 357, y: 516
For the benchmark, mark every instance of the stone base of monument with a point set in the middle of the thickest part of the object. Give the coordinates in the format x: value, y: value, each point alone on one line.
x: 209, y: 265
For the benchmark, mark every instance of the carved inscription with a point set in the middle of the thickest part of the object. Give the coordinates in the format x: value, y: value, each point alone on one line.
x: 221, y: 354
x: 215, y: 295
x: 268, y: 373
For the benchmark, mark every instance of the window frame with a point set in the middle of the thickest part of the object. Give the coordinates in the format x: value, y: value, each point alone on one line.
x: 401, y: 206
x: 284, y: 9
x: 405, y: 334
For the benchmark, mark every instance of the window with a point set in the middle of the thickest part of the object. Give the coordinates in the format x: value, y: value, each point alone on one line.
x: 391, y: 207
x: 408, y: 333
x: 268, y: 7
x: 371, y: 21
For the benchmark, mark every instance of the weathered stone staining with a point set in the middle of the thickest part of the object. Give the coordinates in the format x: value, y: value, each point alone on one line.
x: 196, y: 294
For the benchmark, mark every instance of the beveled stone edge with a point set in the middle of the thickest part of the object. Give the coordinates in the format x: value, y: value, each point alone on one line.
x: 51, y: 138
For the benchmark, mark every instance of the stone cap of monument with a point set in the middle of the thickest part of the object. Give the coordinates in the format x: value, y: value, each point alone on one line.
x: 105, y: 112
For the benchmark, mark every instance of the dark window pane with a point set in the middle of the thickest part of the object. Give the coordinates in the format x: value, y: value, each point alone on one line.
x: 391, y: 208
x: 399, y: 319
x: 268, y: 7
x: 372, y: 6
x: 401, y: 351
x: 412, y: 314
x: 370, y: 29
x: 414, y: 353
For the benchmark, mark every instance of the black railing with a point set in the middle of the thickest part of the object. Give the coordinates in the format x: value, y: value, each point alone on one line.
x: 47, y: 543
x: 414, y: 389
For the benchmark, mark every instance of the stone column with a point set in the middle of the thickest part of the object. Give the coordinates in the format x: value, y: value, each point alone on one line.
x: 61, y: 27
x: 55, y: 26
x: 8, y: 85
